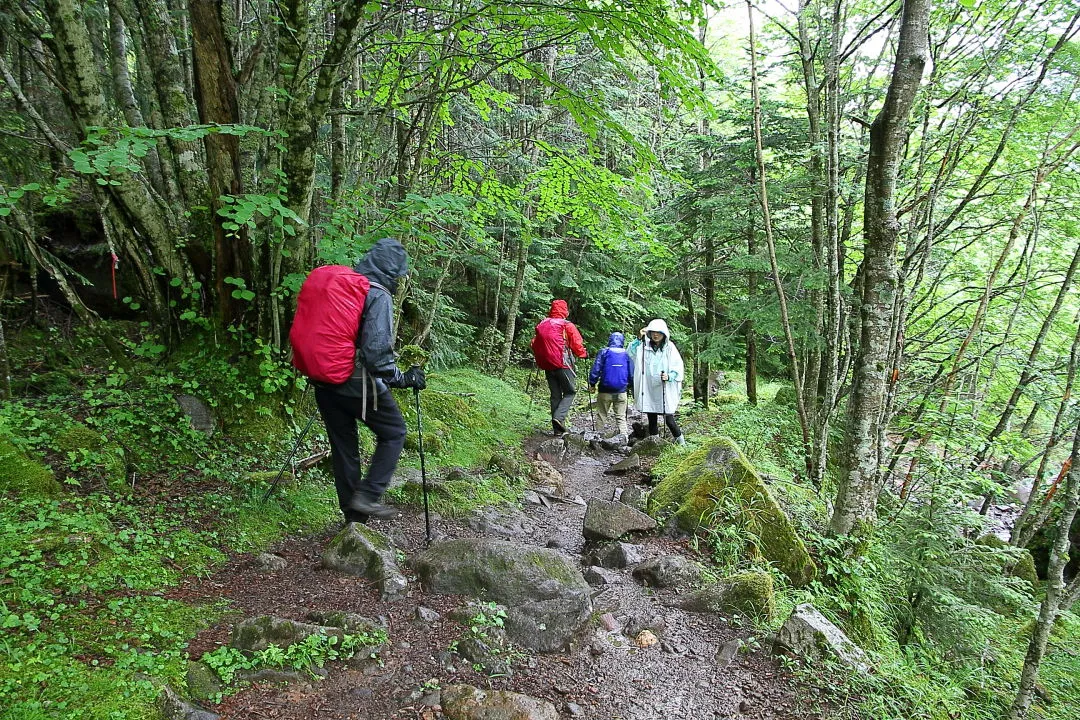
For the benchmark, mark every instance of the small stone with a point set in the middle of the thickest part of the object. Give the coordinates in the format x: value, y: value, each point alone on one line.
x: 556, y: 543
x: 427, y: 614
x: 599, y: 647
x: 270, y: 563
x: 575, y: 710
x: 645, y: 639
x: 609, y: 622
x: 727, y: 652
x: 531, y: 498
x: 744, y: 706
x: 598, y: 576
x: 404, y: 645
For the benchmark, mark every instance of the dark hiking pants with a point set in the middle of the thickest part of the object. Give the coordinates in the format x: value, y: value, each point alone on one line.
x: 561, y: 384
x: 340, y: 413
x: 669, y: 420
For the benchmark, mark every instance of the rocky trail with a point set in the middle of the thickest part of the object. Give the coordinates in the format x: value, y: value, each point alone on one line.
x: 633, y: 654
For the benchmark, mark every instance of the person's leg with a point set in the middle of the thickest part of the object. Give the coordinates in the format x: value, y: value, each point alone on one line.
x: 673, y: 426
x: 652, y: 423
x: 566, y: 380
x: 389, y: 427
x: 603, y: 406
x: 619, y: 407
x: 344, y: 448
x: 555, y: 390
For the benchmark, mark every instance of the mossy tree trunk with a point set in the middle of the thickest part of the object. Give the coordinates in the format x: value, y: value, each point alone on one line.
x: 857, y: 493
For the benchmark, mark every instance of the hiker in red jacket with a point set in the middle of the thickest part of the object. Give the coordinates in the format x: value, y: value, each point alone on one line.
x: 554, y: 346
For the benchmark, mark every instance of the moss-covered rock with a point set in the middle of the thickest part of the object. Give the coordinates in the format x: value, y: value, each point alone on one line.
x: 21, y: 476
x: 719, y: 471
x: 1020, y: 565
x: 359, y: 550
x: 747, y: 593
x: 203, y: 683
x: 548, y: 598
x: 92, y: 451
x: 785, y: 396
x: 259, y: 633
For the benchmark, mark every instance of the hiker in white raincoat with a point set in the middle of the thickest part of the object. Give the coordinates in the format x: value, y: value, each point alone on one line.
x: 658, y: 376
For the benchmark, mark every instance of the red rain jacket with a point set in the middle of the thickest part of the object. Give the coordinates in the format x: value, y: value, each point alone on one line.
x: 556, y: 338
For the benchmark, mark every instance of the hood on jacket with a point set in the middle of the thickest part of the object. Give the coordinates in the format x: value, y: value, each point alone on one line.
x: 384, y: 263
x: 615, y: 339
x: 658, y: 325
x: 558, y: 309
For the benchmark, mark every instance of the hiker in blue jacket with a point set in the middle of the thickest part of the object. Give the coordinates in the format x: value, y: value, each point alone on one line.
x: 612, y: 372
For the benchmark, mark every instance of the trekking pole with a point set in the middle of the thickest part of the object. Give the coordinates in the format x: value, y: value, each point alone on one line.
x: 303, y: 434
x: 423, y: 467
x: 531, y: 397
x: 663, y: 396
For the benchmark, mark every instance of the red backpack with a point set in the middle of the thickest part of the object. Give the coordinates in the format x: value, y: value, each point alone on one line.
x: 327, y: 321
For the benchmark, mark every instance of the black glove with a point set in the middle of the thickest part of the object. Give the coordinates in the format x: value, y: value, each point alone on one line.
x: 414, y: 378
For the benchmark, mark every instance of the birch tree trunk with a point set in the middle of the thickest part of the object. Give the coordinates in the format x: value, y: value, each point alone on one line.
x: 857, y: 493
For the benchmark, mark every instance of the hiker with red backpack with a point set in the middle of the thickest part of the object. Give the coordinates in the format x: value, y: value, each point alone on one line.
x: 556, y: 343
x: 343, y: 340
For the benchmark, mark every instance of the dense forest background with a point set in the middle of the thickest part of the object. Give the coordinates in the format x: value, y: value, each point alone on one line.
x: 873, y: 201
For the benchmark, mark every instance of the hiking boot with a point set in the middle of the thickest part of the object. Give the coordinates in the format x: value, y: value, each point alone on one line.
x: 371, y: 508
x: 558, y: 427
x: 681, y: 440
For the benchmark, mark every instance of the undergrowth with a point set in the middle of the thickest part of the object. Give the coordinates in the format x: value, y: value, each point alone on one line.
x: 944, y: 622
x: 144, y: 500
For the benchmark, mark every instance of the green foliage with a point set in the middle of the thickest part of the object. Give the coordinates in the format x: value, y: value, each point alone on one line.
x: 311, y: 653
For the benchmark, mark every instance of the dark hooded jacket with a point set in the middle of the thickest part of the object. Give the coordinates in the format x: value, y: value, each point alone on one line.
x: 383, y: 265
x: 613, y: 367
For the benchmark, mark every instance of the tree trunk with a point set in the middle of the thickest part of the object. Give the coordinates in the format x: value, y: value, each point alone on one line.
x: 512, y: 307
x: 1055, y: 581
x: 216, y: 99
x: 164, y: 59
x: 307, y: 108
x: 750, y: 335
x: 763, y: 198
x: 142, y: 210
x: 856, y: 497
x: 125, y: 93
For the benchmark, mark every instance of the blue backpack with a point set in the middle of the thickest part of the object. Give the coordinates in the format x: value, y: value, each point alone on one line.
x: 615, y: 375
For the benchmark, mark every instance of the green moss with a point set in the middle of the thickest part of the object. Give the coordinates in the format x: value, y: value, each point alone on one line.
x: 752, y: 593
x: 89, y: 452
x: 21, y: 476
x: 718, y: 470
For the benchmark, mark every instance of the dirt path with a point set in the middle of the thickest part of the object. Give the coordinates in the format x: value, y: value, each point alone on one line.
x: 605, y: 676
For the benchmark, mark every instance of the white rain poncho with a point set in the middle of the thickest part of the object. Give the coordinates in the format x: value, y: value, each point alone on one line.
x: 651, y: 395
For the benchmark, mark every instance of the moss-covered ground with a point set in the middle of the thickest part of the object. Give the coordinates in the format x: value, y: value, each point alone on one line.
x: 117, y: 498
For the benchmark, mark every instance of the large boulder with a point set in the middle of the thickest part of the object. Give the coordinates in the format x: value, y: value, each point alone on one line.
x: 747, y: 593
x: 611, y: 519
x: 359, y: 550
x: 810, y: 634
x: 668, y: 571
x: 259, y: 633
x: 718, y: 470
x: 465, y: 702
x: 548, y: 599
